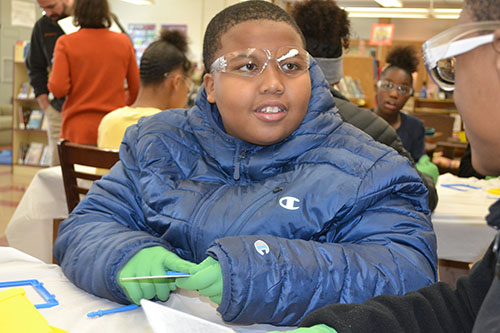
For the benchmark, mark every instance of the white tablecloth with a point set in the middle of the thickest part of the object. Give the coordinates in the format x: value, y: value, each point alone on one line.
x: 459, y: 218
x: 30, y: 228
x: 186, y: 309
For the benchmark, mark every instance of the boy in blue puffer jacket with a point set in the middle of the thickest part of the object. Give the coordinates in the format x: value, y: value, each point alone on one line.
x: 273, y: 204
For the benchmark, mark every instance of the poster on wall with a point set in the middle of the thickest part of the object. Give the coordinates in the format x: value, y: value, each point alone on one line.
x: 23, y: 13
x: 142, y: 35
x: 181, y: 27
x: 381, y: 34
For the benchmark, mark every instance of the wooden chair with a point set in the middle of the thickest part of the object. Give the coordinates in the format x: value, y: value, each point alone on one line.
x: 71, y: 154
x: 90, y: 162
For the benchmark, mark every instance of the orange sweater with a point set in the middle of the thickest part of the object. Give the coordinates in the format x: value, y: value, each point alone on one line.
x: 90, y: 68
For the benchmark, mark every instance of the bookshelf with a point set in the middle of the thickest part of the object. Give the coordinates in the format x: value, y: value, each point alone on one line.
x: 22, y: 105
x: 361, y: 69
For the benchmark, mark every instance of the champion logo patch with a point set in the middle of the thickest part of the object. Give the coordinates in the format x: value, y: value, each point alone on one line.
x: 289, y: 203
x: 261, y: 247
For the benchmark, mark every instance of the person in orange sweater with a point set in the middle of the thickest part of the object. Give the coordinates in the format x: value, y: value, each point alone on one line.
x: 90, y: 68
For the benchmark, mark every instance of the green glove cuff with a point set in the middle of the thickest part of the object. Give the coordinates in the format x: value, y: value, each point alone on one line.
x: 206, y: 278
x: 321, y: 328
x: 148, y: 262
x: 425, y: 165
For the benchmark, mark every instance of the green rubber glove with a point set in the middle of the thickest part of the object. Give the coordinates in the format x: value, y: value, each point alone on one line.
x: 322, y: 328
x: 147, y: 262
x: 206, y: 278
x: 425, y: 165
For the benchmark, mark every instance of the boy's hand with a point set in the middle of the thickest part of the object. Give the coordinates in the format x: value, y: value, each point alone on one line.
x: 206, y: 278
x: 149, y: 262
x: 322, y: 328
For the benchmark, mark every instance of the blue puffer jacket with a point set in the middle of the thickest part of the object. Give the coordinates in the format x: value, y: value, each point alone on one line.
x: 326, y: 216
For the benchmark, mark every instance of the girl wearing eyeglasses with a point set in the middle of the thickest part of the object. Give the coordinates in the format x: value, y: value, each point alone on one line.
x: 393, y: 91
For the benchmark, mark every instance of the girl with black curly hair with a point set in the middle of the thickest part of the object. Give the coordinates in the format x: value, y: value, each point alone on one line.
x: 393, y: 91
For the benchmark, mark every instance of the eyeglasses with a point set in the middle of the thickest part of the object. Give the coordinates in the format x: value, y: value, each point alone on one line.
x: 403, y: 90
x: 440, y: 51
x: 291, y: 61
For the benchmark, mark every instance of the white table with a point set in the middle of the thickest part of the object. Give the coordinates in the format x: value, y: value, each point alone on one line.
x: 459, y: 218
x: 30, y: 228
x: 185, y: 309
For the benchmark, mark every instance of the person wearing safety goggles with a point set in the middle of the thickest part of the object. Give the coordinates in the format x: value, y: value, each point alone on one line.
x: 394, y: 89
x: 464, y: 59
x: 260, y: 191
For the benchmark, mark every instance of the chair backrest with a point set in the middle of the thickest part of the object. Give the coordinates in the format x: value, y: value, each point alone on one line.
x: 87, y: 158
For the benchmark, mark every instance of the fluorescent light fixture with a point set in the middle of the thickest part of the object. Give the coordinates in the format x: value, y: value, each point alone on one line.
x: 422, y: 13
x: 140, y: 2
x: 390, y: 3
x: 387, y: 12
x: 446, y: 13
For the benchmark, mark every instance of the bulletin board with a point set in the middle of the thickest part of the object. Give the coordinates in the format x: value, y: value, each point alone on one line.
x: 142, y: 35
x: 381, y: 34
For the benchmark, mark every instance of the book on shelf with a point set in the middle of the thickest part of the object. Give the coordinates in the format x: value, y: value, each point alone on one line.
x: 46, y: 156
x: 23, y: 148
x: 34, y: 153
x: 35, y: 119
x: 20, y: 117
x: 25, y: 91
x: 350, y: 88
x: 21, y: 50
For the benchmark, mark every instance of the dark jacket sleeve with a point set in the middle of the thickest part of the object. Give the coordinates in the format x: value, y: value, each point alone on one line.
x: 36, y: 62
x: 436, y: 308
x: 381, y: 131
x: 466, y: 169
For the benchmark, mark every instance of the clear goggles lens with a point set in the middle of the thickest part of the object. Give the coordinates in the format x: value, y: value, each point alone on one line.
x: 402, y: 90
x: 291, y: 61
x: 440, y: 51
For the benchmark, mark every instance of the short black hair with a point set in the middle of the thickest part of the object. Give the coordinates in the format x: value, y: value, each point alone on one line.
x: 239, y: 13
x: 403, y: 57
x: 92, y: 14
x: 325, y: 26
x: 483, y: 10
x: 163, y: 56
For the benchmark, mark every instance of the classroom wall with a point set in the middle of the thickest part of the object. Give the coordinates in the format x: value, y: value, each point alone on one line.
x: 404, y: 29
x: 9, y: 34
x: 195, y: 13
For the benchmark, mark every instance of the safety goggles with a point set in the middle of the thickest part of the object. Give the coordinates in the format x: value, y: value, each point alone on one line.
x: 291, y: 61
x: 440, y: 51
x: 403, y: 90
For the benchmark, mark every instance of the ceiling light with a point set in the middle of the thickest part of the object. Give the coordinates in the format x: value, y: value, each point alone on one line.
x: 390, y: 3
x: 140, y: 2
x: 446, y: 13
x: 377, y: 12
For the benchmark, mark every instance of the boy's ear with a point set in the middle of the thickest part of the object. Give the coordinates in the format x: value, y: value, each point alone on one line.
x: 208, y: 81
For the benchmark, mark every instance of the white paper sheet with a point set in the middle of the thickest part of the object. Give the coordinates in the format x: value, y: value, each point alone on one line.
x: 68, y: 27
